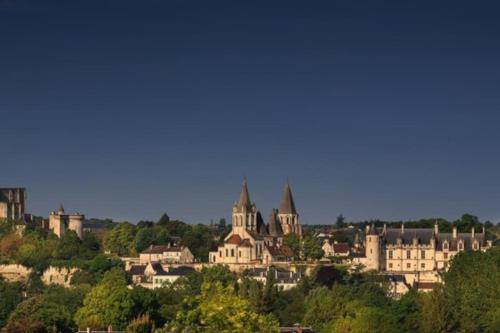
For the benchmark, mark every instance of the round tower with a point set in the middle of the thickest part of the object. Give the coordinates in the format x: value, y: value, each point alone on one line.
x: 75, y: 223
x: 372, y: 249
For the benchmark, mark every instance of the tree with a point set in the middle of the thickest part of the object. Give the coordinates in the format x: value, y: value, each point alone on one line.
x: 120, y: 239
x: 141, y: 324
x: 312, y: 248
x: 10, y: 296
x: 293, y: 242
x: 340, y: 223
x: 164, y: 220
x: 9, y: 245
x: 68, y: 247
x: 109, y: 302
x: 219, y: 309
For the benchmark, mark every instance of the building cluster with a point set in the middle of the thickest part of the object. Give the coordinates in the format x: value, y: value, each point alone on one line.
x: 253, y: 241
x: 13, y: 206
x: 284, y: 280
x: 414, y: 257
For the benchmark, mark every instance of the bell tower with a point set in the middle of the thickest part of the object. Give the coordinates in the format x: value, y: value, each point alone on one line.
x: 287, y: 213
x: 244, y: 213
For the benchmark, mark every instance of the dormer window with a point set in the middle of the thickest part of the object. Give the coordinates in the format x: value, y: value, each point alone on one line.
x: 475, y: 246
x: 460, y: 246
x: 445, y: 245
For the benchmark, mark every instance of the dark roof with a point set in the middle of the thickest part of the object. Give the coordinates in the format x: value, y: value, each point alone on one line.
x: 179, y: 271
x: 155, y: 249
x: 261, y: 226
x: 244, y: 203
x: 245, y: 243
x: 279, y: 275
x: 423, y: 236
x: 255, y: 235
x: 137, y: 269
x: 283, y: 251
x: 296, y: 329
x: 341, y: 248
x: 234, y: 239
x: 174, y: 249
x: 274, y: 225
x: 287, y: 205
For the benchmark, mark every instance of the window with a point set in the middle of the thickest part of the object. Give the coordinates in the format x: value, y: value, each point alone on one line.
x: 390, y: 254
x: 214, y: 259
x: 408, y: 265
x: 390, y: 265
x: 445, y: 246
x: 408, y: 254
x: 422, y: 254
x: 460, y: 246
x: 476, y: 246
x: 422, y: 265
x: 220, y: 253
x: 239, y: 253
x: 227, y: 253
x: 232, y: 252
x: 445, y: 255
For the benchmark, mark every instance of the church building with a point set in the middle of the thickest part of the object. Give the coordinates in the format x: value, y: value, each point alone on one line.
x: 253, y: 241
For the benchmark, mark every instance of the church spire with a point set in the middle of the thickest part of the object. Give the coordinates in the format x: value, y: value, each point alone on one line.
x: 287, y: 205
x: 244, y: 201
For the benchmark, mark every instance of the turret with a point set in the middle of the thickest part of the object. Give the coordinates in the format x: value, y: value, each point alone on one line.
x: 372, y: 249
x: 244, y: 212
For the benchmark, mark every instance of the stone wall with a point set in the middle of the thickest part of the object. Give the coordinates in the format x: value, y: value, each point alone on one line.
x: 14, y: 272
x: 58, y: 275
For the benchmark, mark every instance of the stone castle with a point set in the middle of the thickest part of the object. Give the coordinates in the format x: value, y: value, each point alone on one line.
x: 12, y: 203
x: 251, y: 240
x: 60, y: 222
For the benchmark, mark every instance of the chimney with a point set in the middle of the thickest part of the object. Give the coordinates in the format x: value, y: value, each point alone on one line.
x: 436, y: 228
x: 402, y: 228
x: 454, y: 232
x: 472, y: 232
x: 385, y: 228
x: 367, y: 229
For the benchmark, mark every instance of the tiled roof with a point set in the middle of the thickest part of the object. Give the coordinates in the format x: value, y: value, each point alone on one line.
x: 283, y: 251
x: 424, y: 285
x: 341, y: 248
x: 234, y: 239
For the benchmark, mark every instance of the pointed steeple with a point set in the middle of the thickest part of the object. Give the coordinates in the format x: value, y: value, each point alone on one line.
x: 287, y: 205
x: 61, y: 209
x: 244, y: 201
x: 274, y: 225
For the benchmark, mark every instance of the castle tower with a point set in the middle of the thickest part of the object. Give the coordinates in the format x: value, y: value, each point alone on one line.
x: 12, y: 203
x: 60, y: 222
x: 287, y: 213
x: 372, y: 249
x: 244, y: 212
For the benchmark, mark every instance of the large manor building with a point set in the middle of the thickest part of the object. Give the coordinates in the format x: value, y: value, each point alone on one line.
x: 253, y: 241
x: 60, y: 222
x: 418, y: 255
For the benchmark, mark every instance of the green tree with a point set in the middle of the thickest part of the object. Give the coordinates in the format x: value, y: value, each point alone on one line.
x: 120, y: 239
x: 141, y: 324
x: 10, y: 297
x: 312, y: 248
x: 219, y: 309
x: 109, y: 302
x: 293, y: 242
x: 68, y: 247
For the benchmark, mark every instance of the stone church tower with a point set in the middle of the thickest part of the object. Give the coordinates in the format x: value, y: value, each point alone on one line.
x: 287, y: 213
x: 244, y: 213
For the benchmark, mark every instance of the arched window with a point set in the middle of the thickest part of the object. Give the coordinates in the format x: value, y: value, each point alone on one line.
x: 232, y: 252
x: 460, y: 246
x: 445, y: 246
x: 227, y: 253
x: 475, y: 246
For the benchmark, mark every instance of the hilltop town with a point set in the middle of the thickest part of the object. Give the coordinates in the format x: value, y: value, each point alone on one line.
x: 265, y: 264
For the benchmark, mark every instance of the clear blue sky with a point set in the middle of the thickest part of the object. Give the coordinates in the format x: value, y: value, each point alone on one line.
x: 127, y: 109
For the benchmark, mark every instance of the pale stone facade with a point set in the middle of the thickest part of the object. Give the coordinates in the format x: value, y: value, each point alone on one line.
x: 251, y: 240
x: 417, y: 254
x: 166, y: 254
x: 12, y: 203
x: 59, y: 222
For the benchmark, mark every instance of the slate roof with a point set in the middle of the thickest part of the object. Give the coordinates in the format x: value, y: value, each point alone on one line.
x: 244, y: 203
x: 287, y: 205
x: 155, y: 249
x: 137, y: 269
x: 261, y: 226
x: 274, y: 225
x: 179, y: 271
